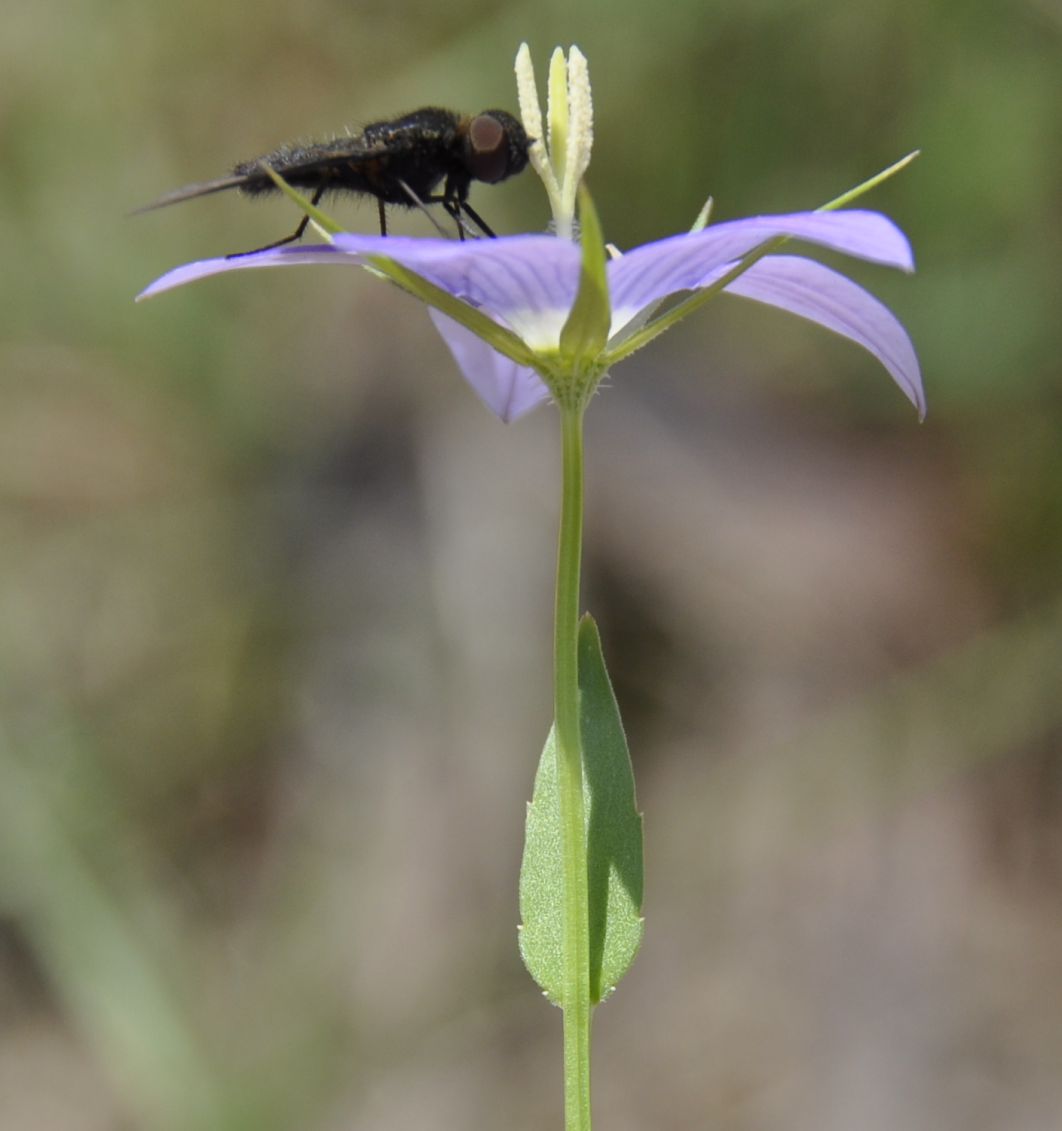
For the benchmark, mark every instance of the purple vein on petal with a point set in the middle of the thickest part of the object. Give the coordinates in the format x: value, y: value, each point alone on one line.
x: 528, y: 281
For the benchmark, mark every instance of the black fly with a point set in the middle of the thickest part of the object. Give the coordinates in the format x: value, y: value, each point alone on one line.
x: 402, y: 161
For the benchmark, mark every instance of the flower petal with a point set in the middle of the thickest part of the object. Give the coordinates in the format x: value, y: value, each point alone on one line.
x: 507, y: 389
x: 529, y: 282
x: 686, y: 262
x: 822, y: 295
x: 275, y: 257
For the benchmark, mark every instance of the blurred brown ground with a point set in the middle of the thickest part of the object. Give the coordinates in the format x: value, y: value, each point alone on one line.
x: 275, y: 594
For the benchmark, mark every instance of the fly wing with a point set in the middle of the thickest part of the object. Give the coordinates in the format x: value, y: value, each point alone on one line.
x: 188, y: 192
x: 288, y: 161
x: 313, y: 157
x: 311, y: 162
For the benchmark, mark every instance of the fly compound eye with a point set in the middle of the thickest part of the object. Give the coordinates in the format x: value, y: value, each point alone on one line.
x: 488, y: 149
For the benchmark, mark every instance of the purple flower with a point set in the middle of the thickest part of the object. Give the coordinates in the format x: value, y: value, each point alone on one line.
x: 514, y: 295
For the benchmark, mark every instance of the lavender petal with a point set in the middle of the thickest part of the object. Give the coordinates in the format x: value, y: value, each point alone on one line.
x: 819, y: 294
x: 275, y: 257
x: 507, y: 389
x: 528, y: 281
x: 653, y: 271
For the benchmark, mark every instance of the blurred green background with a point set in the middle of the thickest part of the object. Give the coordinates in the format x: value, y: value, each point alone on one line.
x: 275, y: 591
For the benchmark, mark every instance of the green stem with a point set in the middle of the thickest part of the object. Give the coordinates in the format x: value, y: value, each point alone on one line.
x: 576, y: 1000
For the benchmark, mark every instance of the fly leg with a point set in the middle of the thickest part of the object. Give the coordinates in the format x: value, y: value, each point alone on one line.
x: 295, y: 235
x: 454, y: 207
x: 422, y: 205
x: 455, y: 200
x: 453, y: 210
x: 476, y: 219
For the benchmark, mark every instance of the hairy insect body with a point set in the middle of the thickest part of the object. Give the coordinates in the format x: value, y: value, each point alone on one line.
x: 400, y: 161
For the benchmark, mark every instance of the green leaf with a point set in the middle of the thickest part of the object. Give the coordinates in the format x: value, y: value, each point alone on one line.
x: 614, y: 843
x: 542, y: 880
x: 586, y: 331
x: 614, y: 825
